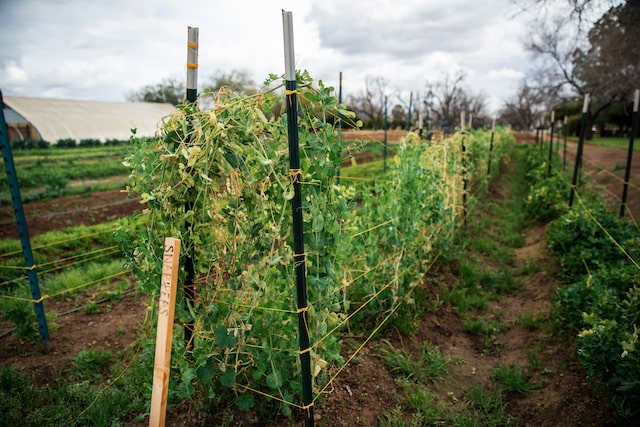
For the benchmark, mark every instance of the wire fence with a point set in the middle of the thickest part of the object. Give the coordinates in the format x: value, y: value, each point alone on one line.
x: 66, y: 265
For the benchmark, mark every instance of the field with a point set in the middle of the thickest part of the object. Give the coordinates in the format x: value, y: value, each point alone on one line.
x: 499, y: 361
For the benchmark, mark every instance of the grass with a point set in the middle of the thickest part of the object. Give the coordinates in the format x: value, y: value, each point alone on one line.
x: 513, y: 379
x: 95, y: 390
x: 611, y: 142
x: 531, y: 321
x: 69, y: 261
x: 488, y: 407
x: 428, y: 366
x: 369, y: 170
x: 47, y: 172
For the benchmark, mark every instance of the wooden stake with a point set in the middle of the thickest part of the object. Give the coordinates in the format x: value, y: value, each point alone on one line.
x: 166, y: 311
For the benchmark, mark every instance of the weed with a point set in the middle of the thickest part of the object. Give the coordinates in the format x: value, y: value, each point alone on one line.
x: 532, y: 357
x: 489, y: 406
x: 88, y: 363
x: 429, y: 365
x: 512, y: 379
x: 531, y: 321
x: 92, y: 307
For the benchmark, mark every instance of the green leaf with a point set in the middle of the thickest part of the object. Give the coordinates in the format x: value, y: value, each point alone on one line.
x: 274, y: 380
x: 318, y: 222
x: 259, y: 371
x: 185, y: 390
x: 245, y: 402
x: 207, y: 371
x: 228, y: 379
x: 223, y: 338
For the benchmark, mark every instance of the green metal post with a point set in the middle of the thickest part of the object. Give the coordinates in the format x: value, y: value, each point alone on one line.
x: 578, y: 164
x: 493, y: 129
x: 296, y: 208
x: 339, y: 127
x: 386, y: 128
x: 553, y: 118
x: 566, y: 130
x: 409, y: 115
x: 627, y: 173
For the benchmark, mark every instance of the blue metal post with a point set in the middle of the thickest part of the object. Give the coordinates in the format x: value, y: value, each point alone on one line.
x: 22, y: 228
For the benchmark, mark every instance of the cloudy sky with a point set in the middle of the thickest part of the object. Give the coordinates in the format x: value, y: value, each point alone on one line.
x: 105, y: 49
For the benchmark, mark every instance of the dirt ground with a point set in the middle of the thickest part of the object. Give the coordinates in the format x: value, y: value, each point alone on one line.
x: 62, y: 212
x: 365, y: 389
x: 606, y: 168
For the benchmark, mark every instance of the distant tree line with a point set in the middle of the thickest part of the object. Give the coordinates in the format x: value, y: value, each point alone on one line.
x: 578, y: 52
x: 30, y: 144
x: 173, y: 91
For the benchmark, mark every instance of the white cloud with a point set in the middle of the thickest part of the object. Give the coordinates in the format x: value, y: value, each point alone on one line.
x: 106, y: 48
x: 14, y: 73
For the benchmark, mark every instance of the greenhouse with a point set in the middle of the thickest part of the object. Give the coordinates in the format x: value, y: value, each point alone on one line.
x: 56, y: 119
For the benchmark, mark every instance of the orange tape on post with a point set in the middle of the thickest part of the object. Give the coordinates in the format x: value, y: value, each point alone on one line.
x: 166, y: 312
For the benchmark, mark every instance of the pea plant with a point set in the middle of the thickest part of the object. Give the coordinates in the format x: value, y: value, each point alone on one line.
x: 219, y: 180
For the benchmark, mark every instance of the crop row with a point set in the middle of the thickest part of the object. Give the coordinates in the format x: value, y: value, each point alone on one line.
x: 219, y: 181
x: 598, y: 301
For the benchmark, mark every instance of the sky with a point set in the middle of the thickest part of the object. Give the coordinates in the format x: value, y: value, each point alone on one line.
x: 106, y: 49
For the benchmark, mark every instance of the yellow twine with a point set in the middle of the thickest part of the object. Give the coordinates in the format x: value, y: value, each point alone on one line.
x: 192, y: 45
x: 295, y: 175
x: 84, y: 285
x: 291, y: 92
x: 42, y: 298
x: 278, y: 310
x: 97, y: 251
x: 374, y: 227
x: 606, y: 231
x: 192, y: 65
x: 354, y: 178
x: 14, y: 267
x: 371, y: 335
x: 73, y: 239
x: 270, y: 396
x: 115, y: 380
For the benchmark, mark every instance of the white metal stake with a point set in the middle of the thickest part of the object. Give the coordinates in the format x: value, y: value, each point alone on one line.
x: 192, y: 63
x: 289, y: 59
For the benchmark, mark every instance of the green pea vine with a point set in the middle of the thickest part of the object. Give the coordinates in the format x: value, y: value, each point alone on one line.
x: 218, y: 180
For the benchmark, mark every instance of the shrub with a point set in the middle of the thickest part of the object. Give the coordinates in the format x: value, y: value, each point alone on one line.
x: 581, y: 243
x: 66, y: 143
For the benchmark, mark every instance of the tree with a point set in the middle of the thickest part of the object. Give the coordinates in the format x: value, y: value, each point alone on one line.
x: 368, y: 104
x: 579, y: 63
x: 449, y: 98
x: 169, y: 91
x: 236, y: 80
x: 527, y: 107
x: 398, y: 117
x: 610, y: 67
